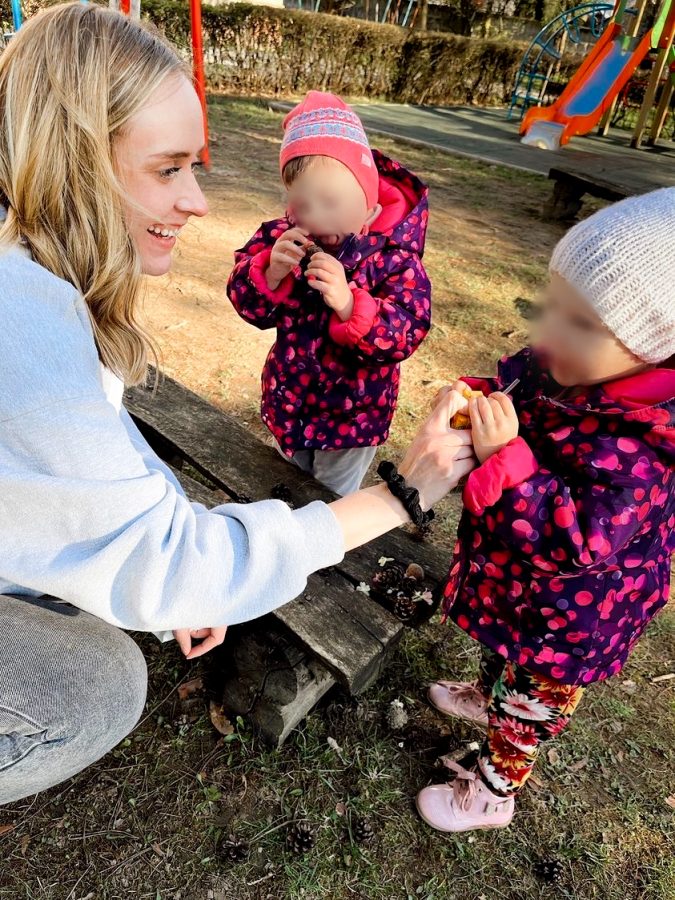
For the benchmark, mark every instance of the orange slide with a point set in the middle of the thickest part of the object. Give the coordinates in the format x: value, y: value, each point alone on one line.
x: 591, y: 91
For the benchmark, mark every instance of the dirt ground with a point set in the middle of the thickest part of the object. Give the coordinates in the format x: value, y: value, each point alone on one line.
x: 148, y: 820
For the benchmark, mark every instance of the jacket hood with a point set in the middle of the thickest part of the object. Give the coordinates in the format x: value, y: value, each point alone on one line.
x: 645, y: 400
x: 402, y: 224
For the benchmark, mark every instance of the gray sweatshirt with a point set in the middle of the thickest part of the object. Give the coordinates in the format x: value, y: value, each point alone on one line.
x: 89, y: 514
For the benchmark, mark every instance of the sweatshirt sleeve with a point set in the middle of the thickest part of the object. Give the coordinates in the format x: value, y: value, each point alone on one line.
x: 389, y: 322
x: 561, y: 524
x: 85, y: 518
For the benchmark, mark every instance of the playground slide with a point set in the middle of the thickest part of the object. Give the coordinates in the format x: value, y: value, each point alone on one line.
x: 591, y: 91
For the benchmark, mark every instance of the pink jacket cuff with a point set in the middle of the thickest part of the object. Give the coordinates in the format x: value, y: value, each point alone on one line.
x: 256, y: 273
x: 506, y: 469
x: 360, y: 322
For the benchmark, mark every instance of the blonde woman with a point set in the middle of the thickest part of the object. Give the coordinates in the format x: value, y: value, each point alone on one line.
x: 100, y: 136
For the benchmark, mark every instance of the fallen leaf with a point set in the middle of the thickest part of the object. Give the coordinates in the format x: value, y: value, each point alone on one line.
x: 341, y: 809
x: 671, y: 802
x: 629, y: 687
x: 24, y: 844
x: 579, y: 764
x: 5, y: 829
x: 660, y: 678
x: 219, y: 720
x: 190, y: 687
x: 553, y: 756
x: 536, y: 781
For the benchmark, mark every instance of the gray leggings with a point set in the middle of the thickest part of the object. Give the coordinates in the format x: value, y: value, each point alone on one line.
x: 71, y: 687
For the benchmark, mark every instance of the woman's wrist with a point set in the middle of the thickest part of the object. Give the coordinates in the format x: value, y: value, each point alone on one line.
x: 368, y: 514
x: 407, y: 493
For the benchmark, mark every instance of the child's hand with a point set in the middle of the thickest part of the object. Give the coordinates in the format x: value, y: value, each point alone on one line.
x: 286, y: 255
x: 327, y: 274
x: 494, y: 424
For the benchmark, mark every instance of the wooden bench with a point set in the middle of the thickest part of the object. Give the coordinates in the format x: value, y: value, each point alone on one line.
x: 278, y: 667
x: 606, y: 178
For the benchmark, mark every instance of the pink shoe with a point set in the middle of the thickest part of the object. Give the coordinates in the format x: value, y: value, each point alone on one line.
x: 464, y: 805
x: 461, y: 699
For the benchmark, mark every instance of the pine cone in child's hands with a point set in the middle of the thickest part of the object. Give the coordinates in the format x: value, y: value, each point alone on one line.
x: 462, y: 420
x: 311, y: 250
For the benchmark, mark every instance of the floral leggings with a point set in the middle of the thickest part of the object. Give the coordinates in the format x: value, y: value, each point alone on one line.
x: 525, y: 709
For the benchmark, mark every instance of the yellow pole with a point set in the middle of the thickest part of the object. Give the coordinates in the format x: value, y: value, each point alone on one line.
x: 661, y: 112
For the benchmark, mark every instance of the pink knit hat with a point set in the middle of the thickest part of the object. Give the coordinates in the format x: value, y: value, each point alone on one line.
x: 323, y: 125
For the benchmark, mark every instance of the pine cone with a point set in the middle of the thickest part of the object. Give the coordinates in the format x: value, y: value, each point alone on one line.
x: 549, y: 870
x: 388, y: 577
x: 300, y: 838
x: 282, y: 492
x: 397, y: 717
x: 404, y: 606
x: 234, y: 850
x: 362, y: 830
x: 409, y: 586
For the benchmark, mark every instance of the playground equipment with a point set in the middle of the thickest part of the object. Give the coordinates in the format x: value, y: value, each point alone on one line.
x: 663, y: 40
x: 595, y: 86
x: 581, y: 25
x: 132, y: 8
x: 16, y: 14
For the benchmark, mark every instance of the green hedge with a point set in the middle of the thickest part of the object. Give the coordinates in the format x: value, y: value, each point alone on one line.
x: 261, y: 50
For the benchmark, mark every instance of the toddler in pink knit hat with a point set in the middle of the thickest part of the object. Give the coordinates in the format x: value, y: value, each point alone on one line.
x: 340, y: 277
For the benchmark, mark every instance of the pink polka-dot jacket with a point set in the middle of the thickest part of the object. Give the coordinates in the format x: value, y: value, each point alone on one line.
x: 563, y: 551
x: 329, y: 384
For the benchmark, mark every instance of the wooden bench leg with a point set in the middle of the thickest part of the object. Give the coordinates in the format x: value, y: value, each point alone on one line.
x: 268, y: 678
x: 564, y: 203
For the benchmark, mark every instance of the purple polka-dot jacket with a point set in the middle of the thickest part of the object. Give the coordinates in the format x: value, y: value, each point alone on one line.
x: 328, y: 384
x: 564, y: 548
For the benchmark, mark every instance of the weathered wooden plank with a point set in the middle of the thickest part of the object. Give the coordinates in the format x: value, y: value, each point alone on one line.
x: 198, y: 492
x: 340, y: 626
x: 235, y: 460
x: 605, y: 179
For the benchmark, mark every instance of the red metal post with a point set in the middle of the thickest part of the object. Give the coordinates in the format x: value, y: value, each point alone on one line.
x: 198, y: 68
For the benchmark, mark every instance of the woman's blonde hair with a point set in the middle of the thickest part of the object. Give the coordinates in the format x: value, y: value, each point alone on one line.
x: 70, y: 80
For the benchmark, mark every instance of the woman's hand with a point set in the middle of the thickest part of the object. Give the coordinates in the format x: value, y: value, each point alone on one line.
x: 327, y: 275
x: 210, y: 638
x: 439, y: 456
x: 460, y: 387
x: 494, y: 424
x: 287, y: 253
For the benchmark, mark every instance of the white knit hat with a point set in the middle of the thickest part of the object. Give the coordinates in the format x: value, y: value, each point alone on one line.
x: 622, y: 260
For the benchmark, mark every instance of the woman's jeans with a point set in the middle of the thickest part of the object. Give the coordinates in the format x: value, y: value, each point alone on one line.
x: 71, y: 687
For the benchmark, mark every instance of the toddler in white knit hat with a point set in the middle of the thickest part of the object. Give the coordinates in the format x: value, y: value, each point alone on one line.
x: 564, y: 548
x: 610, y: 308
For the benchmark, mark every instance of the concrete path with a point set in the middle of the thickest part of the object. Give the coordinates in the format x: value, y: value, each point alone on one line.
x: 486, y: 134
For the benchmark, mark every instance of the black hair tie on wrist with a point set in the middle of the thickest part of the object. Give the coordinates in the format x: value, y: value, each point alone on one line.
x: 409, y: 496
